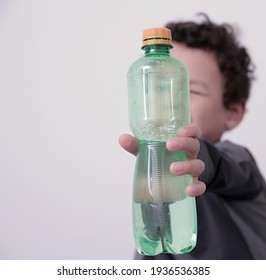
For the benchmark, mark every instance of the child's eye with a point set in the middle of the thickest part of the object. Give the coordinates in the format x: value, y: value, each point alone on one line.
x: 195, y: 92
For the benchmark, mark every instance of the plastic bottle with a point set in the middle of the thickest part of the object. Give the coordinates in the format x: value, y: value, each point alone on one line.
x: 164, y: 216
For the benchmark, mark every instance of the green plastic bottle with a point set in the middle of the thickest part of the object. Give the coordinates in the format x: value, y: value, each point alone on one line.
x: 164, y: 216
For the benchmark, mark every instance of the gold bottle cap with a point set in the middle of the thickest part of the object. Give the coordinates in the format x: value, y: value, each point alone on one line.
x: 152, y: 36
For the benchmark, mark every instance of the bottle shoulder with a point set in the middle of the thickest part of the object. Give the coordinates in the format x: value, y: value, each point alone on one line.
x: 158, y: 63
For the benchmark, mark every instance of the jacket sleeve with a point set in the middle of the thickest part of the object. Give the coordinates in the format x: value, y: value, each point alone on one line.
x: 230, y: 170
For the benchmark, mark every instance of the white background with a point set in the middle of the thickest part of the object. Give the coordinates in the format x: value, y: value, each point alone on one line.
x: 65, y: 184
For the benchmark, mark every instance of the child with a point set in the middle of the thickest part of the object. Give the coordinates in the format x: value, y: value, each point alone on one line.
x: 232, y: 210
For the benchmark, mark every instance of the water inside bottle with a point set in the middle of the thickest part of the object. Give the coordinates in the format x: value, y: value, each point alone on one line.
x: 164, y: 217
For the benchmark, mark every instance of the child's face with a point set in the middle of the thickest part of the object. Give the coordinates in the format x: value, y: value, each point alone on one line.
x: 206, y: 88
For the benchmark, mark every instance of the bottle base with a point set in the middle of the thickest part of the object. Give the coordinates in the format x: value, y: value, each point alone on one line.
x: 158, y: 232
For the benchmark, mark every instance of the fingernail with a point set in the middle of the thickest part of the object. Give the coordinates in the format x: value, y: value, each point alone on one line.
x: 183, y: 132
x: 174, y: 144
x: 192, y: 191
x: 178, y: 168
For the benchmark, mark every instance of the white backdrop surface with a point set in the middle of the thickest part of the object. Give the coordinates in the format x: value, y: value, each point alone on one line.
x: 65, y: 184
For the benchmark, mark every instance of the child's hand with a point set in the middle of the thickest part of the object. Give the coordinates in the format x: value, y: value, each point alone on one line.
x: 187, y: 141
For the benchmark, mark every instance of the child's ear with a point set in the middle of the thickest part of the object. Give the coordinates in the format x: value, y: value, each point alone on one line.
x: 235, y: 114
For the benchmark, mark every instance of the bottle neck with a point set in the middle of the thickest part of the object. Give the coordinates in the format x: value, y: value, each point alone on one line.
x: 157, y: 49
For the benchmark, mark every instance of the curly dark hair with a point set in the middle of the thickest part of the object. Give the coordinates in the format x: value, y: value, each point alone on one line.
x: 233, y: 59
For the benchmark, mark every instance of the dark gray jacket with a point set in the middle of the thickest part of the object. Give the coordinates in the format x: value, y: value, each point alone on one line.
x: 232, y: 211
